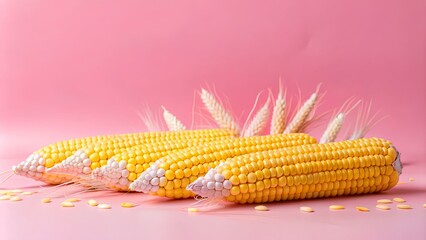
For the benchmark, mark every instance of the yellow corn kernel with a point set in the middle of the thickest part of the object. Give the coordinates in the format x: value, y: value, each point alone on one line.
x: 46, y: 200
x: 384, y: 201
x: 192, y: 209
x: 5, y: 197
x: 336, y: 207
x: 15, y: 199
x: 104, y: 206
x: 362, y: 209
x: 72, y: 200
x: 92, y: 202
x: 261, y: 208
x: 404, y: 206
x: 67, y: 204
x: 306, y: 209
x: 28, y: 193
x: 399, y: 200
x: 127, y: 205
x: 132, y: 177
x: 383, y: 207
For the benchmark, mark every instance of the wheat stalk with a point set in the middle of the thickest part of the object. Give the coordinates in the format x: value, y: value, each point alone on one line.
x: 278, y: 115
x: 333, y: 129
x: 259, y: 121
x: 150, y: 121
x: 299, y: 119
x: 173, y: 124
x: 218, y: 112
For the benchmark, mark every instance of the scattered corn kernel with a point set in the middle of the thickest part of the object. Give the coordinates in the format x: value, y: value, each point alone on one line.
x: 306, y: 209
x: 104, y: 206
x: 192, y: 209
x: 411, y: 179
x: 127, y: 205
x: 15, y: 199
x: 67, y: 204
x: 27, y: 193
x: 384, y: 201
x: 3, y: 192
x: 5, y: 197
x: 336, y: 207
x: 398, y: 200
x: 362, y: 209
x: 17, y: 191
x: 12, y: 194
x: 404, y: 206
x: 72, y: 200
x: 46, y: 200
x: 92, y: 202
x: 424, y: 205
x: 382, y: 207
x: 261, y: 208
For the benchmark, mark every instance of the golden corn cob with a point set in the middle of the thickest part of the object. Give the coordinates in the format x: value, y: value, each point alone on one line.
x: 125, y: 167
x: 170, y: 175
x: 303, y: 172
x: 87, y: 159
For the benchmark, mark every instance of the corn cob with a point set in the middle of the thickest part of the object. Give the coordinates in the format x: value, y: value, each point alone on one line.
x: 303, y: 172
x: 122, y: 169
x: 170, y: 175
x: 87, y: 159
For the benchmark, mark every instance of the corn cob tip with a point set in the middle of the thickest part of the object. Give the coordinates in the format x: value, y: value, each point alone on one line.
x: 35, y: 167
x: 113, y: 175
x: 150, y: 180
x: 397, y: 164
x: 32, y: 167
x: 212, y: 185
x: 77, y: 164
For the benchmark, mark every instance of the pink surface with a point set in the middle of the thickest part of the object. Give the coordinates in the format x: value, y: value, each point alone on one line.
x: 77, y: 68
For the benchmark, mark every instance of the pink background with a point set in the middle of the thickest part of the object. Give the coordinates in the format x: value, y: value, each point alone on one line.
x: 77, y: 68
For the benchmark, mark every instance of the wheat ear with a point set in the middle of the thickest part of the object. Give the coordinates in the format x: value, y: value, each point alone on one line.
x: 218, y: 112
x: 335, y: 125
x: 333, y: 129
x: 173, y: 124
x: 278, y: 115
x: 259, y: 121
x: 299, y: 119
